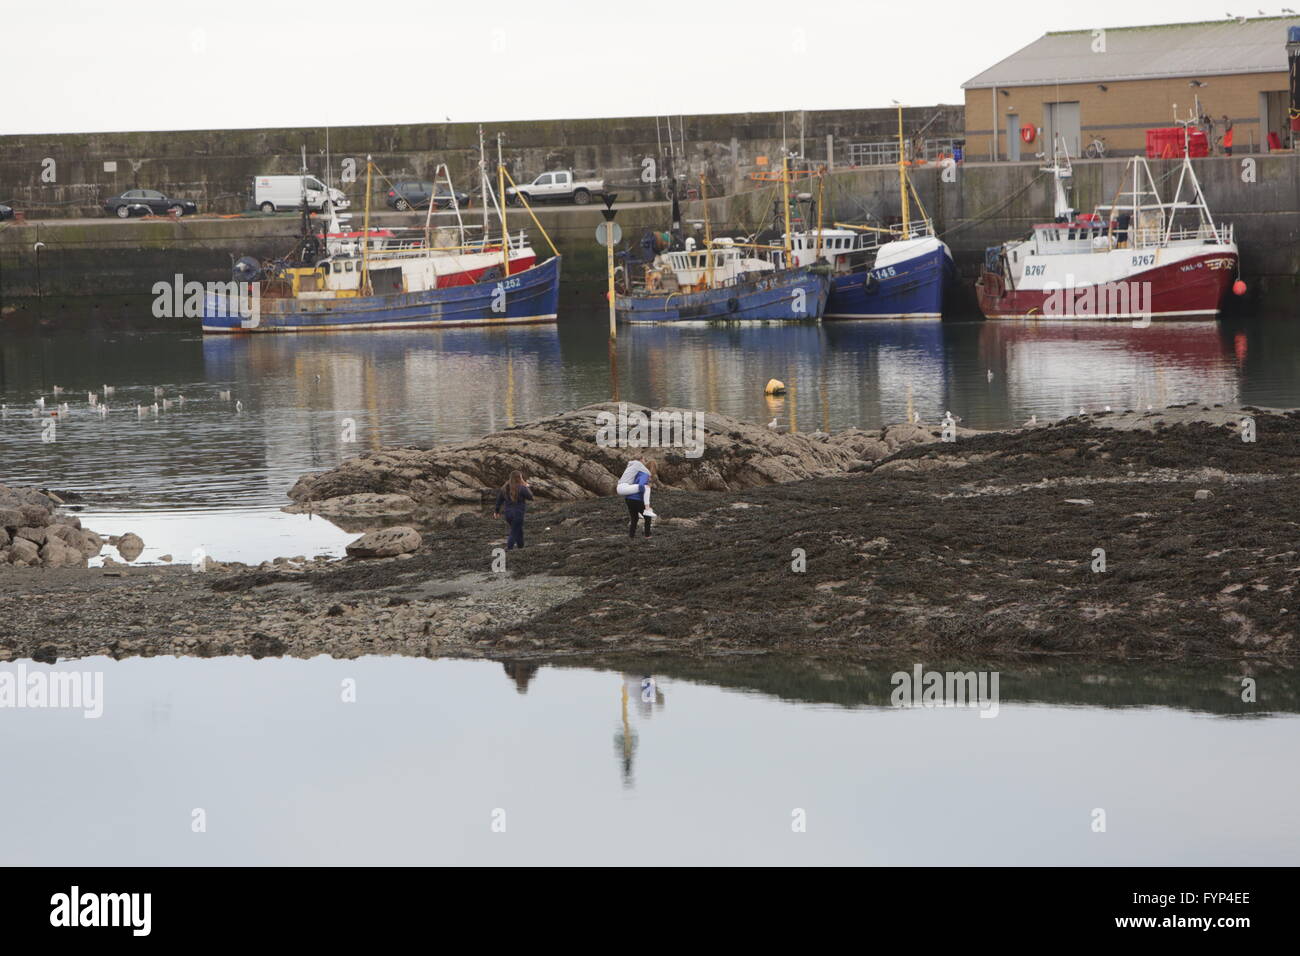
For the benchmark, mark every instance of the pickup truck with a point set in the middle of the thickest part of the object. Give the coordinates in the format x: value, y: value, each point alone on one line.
x: 561, y: 184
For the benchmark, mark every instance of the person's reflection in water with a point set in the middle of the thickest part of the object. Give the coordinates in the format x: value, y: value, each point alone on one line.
x: 520, y: 673
x: 647, y: 695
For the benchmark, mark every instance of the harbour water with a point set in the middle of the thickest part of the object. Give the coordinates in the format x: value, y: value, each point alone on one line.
x: 471, y: 762
x: 216, y: 471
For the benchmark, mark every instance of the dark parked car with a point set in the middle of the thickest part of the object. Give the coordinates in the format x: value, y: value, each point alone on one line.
x: 138, y: 202
x: 6, y: 212
x: 415, y: 195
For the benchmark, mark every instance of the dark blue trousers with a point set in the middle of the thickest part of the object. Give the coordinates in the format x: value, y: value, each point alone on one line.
x: 515, y: 539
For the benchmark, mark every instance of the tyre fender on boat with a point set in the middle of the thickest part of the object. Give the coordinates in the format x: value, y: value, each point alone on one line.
x: 733, y: 304
x: 870, y: 284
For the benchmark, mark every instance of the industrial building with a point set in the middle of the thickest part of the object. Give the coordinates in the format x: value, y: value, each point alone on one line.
x: 1109, y: 86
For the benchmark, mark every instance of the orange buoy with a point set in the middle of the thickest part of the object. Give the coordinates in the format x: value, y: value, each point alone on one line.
x: 1028, y: 132
x: 1239, y: 287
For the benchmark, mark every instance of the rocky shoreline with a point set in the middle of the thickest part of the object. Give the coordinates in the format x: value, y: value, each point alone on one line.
x: 985, y: 547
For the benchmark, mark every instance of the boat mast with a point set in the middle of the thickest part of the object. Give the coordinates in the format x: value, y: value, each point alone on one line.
x: 483, y: 180
x: 365, y: 237
x: 501, y: 207
x: 785, y: 193
x: 902, y: 177
x: 821, y: 183
x: 708, y: 235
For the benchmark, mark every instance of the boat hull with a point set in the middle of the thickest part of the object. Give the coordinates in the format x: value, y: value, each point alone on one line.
x: 1190, y: 288
x: 785, y: 296
x: 912, y: 288
x: 530, y: 295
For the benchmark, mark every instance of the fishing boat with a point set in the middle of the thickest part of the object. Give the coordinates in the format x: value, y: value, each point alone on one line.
x: 896, y: 272
x: 337, y: 278
x: 1140, y: 258
x: 676, y: 281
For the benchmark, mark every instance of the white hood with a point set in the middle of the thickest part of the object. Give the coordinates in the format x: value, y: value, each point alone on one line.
x: 633, y: 469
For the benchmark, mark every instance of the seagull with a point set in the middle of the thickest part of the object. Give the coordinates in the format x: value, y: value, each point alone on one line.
x: 155, y: 408
x: 1195, y: 83
x: 157, y: 392
x: 41, y: 401
x: 239, y: 406
x: 103, y: 410
x: 1033, y: 420
x: 1107, y: 408
x: 58, y: 389
x: 772, y: 425
x: 181, y: 399
x: 990, y: 375
x: 139, y: 410
x: 107, y: 390
x: 1081, y: 411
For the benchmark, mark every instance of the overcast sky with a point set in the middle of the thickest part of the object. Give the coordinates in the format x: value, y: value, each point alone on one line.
x: 90, y: 65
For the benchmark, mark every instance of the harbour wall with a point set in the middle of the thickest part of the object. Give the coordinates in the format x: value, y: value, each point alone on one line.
x: 106, y: 264
x: 69, y: 175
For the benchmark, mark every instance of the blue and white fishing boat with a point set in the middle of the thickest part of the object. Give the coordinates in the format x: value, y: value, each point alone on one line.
x: 899, y: 272
x: 381, y: 279
x: 720, y: 282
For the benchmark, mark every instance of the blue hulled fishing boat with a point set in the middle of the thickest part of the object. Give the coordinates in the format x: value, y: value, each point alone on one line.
x: 674, y: 281
x: 385, y: 279
x: 897, y: 272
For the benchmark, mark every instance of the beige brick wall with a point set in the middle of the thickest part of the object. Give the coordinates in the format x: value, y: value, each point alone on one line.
x: 1123, y: 112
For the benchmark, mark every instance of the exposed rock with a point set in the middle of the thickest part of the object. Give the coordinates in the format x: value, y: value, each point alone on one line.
x: 36, y: 536
x: 56, y: 554
x: 35, y: 516
x: 1202, y: 494
x: 90, y: 544
x: 166, y: 558
x: 385, y: 542
x: 130, y: 546
x: 65, y: 533
x: 11, y: 518
x: 563, y: 461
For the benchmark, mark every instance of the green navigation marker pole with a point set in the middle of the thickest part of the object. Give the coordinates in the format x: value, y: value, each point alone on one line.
x: 610, y: 233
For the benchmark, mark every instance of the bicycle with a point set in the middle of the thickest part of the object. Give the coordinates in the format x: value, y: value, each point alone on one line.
x: 1096, y: 149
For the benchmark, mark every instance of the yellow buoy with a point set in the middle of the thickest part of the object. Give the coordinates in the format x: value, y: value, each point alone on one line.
x: 774, y: 387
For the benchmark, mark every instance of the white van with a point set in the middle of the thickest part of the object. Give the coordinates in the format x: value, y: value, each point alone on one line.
x: 273, y: 193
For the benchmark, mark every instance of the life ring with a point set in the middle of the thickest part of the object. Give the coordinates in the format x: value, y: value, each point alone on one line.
x: 1028, y: 133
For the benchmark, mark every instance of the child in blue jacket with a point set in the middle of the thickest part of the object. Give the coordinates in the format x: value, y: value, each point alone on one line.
x: 512, y: 503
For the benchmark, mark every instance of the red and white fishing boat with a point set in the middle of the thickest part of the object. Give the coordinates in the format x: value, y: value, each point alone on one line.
x: 1139, y: 259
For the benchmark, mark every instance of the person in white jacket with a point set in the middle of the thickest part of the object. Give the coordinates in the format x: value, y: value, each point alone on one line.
x: 635, y: 486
